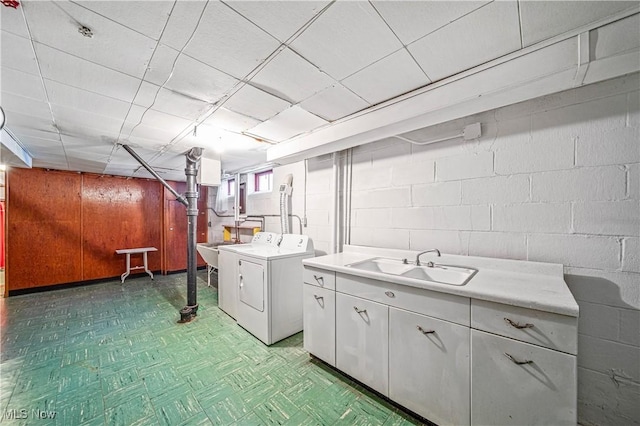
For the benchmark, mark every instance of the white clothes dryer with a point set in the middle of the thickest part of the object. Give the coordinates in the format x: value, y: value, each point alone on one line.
x: 228, y: 269
x: 270, y: 288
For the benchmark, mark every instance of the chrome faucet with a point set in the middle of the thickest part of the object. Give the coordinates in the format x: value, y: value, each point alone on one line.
x: 424, y: 252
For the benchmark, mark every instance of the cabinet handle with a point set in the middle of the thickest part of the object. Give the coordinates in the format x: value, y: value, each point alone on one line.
x: 423, y: 331
x: 518, y: 325
x: 241, y: 283
x: 515, y: 361
x: 319, y: 280
x: 389, y: 293
x: 318, y: 297
x: 360, y: 311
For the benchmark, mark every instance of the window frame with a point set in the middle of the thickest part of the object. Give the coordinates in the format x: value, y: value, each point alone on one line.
x: 256, y: 181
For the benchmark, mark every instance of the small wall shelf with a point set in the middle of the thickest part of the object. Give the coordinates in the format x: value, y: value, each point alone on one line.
x: 229, y: 231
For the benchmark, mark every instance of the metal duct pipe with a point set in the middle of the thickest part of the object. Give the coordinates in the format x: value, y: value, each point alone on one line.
x: 155, y: 174
x: 191, y: 171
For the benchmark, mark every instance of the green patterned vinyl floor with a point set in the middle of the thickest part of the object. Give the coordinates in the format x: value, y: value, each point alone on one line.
x: 112, y: 354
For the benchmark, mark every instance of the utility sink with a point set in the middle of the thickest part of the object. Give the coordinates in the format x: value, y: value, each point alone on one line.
x: 444, y: 274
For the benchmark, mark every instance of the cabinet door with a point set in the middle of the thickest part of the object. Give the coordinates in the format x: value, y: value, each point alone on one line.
x: 516, y: 383
x: 362, y: 341
x: 319, y: 317
x: 429, y: 366
x: 228, y: 282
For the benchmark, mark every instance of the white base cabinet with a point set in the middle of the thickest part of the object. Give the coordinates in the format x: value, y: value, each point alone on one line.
x: 449, y: 358
x: 429, y: 366
x: 362, y: 341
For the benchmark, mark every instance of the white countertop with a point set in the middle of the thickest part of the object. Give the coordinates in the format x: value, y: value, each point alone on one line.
x: 533, y: 285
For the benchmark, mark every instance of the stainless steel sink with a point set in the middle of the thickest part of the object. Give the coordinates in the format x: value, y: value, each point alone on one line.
x: 444, y: 274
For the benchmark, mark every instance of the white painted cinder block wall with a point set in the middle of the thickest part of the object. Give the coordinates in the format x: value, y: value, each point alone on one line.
x: 555, y: 179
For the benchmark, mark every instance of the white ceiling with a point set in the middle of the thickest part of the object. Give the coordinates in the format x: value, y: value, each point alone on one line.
x: 248, y: 74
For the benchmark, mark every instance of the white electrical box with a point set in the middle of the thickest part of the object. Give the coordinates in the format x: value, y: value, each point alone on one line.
x: 209, y: 172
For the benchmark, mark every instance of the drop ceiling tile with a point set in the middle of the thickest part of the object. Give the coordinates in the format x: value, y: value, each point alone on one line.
x: 227, y: 41
x: 346, y: 38
x: 189, y: 76
x: 17, y: 53
x: 68, y: 96
x: 173, y: 103
x: 71, y: 70
x: 229, y: 120
x: 22, y: 84
x: 256, y: 103
x: 541, y: 20
x: 182, y: 22
x: 155, y: 125
x: 392, y: 76
x: 51, y: 161
x: 485, y: 34
x: 291, y: 77
x: 161, y: 64
x: 146, y: 17
x: 279, y: 18
x: 11, y: 20
x: 69, y: 120
x: 411, y: 20
x: 86, y: 165
x: 52, y: 26
x: 287, y: 124
x: 34, y: 125
x: 22, y: 131
x: 26, y: 106
x: 334, y: 103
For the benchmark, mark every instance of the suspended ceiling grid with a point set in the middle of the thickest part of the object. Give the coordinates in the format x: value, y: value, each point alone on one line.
x: 248, y: 74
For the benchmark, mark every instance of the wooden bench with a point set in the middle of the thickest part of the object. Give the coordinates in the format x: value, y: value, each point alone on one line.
x: 129, y: 252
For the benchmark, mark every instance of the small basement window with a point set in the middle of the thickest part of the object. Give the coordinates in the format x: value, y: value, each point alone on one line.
x: 264, y: 181
x: 231, y: 187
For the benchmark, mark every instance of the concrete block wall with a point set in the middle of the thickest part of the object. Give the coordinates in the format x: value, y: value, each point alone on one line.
x: 554, y: 179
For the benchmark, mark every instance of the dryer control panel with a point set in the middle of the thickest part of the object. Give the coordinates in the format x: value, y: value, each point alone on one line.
x: 266, y: 238
x: 296, y: 242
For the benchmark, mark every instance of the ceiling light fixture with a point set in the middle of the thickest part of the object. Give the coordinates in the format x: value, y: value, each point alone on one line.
x: 2, y: 118
x: 85, y: 31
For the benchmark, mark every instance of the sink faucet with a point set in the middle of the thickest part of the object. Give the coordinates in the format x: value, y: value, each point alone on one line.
x: 424, y: 252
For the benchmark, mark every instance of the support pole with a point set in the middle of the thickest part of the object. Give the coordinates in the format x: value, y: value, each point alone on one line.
x: 191, y: 171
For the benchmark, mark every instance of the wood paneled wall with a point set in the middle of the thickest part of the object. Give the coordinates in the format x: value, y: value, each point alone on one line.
x: 44, y: 241
x: 175, y: 256
x: 119, y: 213
x: 64, y: 227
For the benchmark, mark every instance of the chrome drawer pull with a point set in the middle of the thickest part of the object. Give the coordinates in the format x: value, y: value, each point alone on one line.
x: 360, y: 311
x: 318, y: 297
x: 423, y: 331
x: 319, y: 280
x: 515, y: 361
x: 518, y: 325
x: 389, y: 293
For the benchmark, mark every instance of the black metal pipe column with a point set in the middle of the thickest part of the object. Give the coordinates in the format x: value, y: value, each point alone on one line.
x: 191, y: 171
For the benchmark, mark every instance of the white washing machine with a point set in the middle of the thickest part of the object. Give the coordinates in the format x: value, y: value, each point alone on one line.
x: 270, y: 288
x: 228, y: 269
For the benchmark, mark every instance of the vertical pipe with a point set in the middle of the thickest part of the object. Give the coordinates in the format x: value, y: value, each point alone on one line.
x: 191, y: 171
x: 334, y: 205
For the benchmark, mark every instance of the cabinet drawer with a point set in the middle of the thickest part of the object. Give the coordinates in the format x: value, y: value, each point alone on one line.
x: 545, y: 329
x: 515, y: 383
x: 319, y: 277
x: 440, y: 305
